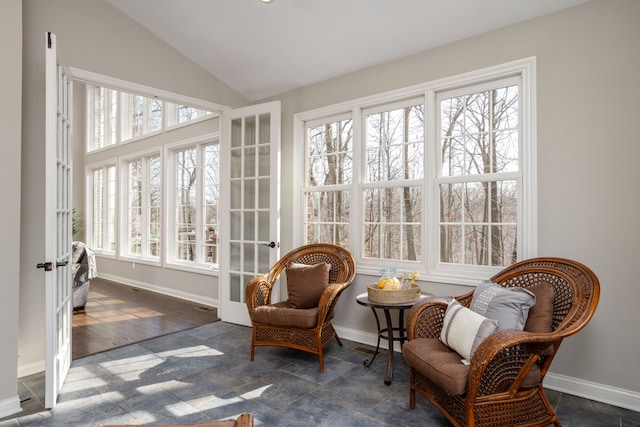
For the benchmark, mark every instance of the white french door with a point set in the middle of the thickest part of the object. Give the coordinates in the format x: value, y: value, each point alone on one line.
x: 250, y: 203
x: 58, y: 154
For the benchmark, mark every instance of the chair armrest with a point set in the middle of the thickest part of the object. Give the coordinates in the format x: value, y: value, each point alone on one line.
x: 258, y: 292
x: 425, y: 318
x: 328, y: 300
x: 80, y: 271
x: 503, y: 360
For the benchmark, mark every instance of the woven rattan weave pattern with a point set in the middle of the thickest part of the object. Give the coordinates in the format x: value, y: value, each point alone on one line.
x: 494, y: 396
x: 311, y: 340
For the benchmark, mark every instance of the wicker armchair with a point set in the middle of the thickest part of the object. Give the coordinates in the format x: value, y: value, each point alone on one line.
x: 315, y: 335
x: 504, y: 379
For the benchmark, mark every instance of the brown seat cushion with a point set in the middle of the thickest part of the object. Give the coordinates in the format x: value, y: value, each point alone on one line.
x: 285, y: 314
x: 439, y: 363
x: 444, y: 367
x: 306, y: 284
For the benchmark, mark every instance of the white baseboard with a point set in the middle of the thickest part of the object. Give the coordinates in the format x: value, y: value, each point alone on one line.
x: 211, y: 302
x: 10, y: 406
x: 31, y: 368
x: 589, y: 390
x: 594, y: 391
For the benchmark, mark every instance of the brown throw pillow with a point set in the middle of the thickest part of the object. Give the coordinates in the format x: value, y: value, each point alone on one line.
x: 305, y: 284
x: 541, y: 314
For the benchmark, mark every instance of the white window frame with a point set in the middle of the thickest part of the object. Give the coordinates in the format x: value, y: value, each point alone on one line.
x: 299, y: 170
x: 124, y: 136
x: 91, y: 119
x: 429, y: 268
x: 123, y: 86
x: 380, y: 185
x: 171, y: 114
x: 89, y: 209
x: 170, y: 245
x: 123, y: 235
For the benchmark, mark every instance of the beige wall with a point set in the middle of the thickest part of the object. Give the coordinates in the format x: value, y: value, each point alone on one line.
x: 10, y: 131
x: 91, y: 36
x: 588, y: 63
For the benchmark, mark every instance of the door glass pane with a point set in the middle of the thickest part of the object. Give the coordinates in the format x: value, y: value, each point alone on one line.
x: 249, y: 194
x: 264, y: 168
x: 236, y: 163
x: 249, y: 226
x: 263, y: 193
x: 263, y: 258
x: 234, y: 256
x: 265, y: 129
x: 236, y: 133
x: 250, y: 162
x: 249, y: 131
x: 263, y: 227
x: 236, y: 287
x: 249, y: 258
x: 235, y: 221
x: 236, y: 193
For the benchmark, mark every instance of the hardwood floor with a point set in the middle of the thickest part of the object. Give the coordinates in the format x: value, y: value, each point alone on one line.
x: 117, y: 315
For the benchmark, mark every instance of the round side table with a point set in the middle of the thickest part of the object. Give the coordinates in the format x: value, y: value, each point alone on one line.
x: 390, y: 333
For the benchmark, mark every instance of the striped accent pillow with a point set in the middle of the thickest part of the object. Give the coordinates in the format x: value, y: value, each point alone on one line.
x: 463, y: 330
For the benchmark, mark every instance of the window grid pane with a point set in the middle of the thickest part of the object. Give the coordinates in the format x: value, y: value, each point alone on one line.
x: 98, y: 186
x: 478, y: 217
x: 210, y: 202
x: 153, y: 210
x: 395, y: 144
x: 483, y: 216
x: 185, y: 187
x: 392, y: 223
x: 134, y: 214
x: 394, y: 152
x: 110, y: 245
x: 118, y: 116
x: 327, y: 217
x: 330, y: 154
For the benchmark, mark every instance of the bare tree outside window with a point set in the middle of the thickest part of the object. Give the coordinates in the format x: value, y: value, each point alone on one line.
x: 135, y: 206
x: 434, y: 178
x: 117, y: 117
x: 392, y: 199
x: 154, y: 213
x: 97, y: 205
x: 478, y: 178
x: 211, y: 202
x: 329, y: 175
x: 186, y: 162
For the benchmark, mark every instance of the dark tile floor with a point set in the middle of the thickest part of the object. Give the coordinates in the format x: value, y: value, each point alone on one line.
x: 205, y: 374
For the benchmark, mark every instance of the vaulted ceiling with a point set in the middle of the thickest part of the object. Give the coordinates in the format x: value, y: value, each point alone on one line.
x: 262, y: 49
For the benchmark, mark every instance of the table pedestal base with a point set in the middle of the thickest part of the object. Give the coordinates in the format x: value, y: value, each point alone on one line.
x: 389, y: 334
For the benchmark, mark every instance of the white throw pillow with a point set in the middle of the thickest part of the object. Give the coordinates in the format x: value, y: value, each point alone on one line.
x: 463, y: 330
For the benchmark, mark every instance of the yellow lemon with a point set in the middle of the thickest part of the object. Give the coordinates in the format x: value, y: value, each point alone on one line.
x: 392, y: 285
x: 383, y: 282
